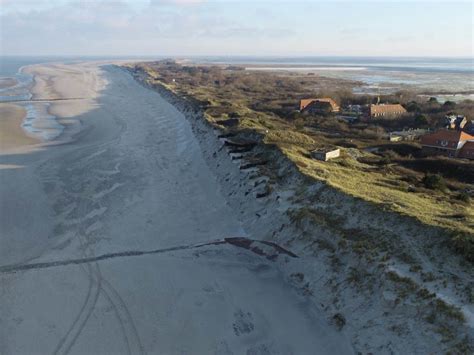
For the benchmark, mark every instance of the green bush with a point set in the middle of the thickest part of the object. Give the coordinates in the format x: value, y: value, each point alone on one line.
x: 434, y: 182
x: 464, y: 197
x: 449, y: 105
x: 299, y: 123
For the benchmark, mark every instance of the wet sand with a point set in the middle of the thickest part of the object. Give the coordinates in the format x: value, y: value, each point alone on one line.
x: 134, y: 178
x: 7, y: 83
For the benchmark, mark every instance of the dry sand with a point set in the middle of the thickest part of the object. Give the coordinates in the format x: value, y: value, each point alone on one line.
x: 134, y: 178
x: 12, y: 135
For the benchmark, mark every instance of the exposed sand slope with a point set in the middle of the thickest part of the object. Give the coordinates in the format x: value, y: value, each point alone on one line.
x: 135, y: 179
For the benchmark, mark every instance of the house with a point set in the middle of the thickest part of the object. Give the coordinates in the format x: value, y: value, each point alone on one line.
x: 448, y: 142
x: 393, y: 137
x: 355, y: 109
x: 406, y: 135
x: 321, y: 105
x: 469, y: 127
x: 326, y: 153
x: 386, y: 111
x: 455, y: 122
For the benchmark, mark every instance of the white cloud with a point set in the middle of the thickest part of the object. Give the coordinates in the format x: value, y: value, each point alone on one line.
x: 177, y: 2
x: 116, y: 27
x: 124, y: 27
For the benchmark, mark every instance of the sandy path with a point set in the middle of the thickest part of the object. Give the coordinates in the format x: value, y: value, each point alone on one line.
x: 136, y: 180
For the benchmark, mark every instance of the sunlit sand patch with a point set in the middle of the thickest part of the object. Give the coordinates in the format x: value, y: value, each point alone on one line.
x: 10, y: 166
x: 7, y: 83
x: 11, y: 134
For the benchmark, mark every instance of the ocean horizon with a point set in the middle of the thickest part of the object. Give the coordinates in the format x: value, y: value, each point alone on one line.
x: 9, y: 65
x: 379, y: 75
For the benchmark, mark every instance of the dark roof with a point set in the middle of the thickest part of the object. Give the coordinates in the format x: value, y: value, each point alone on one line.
x: 304, y: 103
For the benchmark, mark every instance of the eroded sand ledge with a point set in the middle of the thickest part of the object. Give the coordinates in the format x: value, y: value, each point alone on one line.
x: 136, y: 179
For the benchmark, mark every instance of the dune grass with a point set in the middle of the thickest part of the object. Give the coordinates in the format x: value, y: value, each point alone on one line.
x: 383, y: 185
x: 384, y: 188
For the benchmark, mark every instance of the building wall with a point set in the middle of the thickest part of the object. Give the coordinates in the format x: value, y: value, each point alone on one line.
x: 333, y: 154
x: 319, y: 107
x: 325, y: 156
x: 467, y: 154
x: 386, y: 114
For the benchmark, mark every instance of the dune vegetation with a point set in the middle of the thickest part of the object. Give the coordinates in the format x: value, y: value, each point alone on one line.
x: 394, y: 175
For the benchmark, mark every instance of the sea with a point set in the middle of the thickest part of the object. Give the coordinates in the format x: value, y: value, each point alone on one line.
x: 444, y: 78
x: 15, y: 88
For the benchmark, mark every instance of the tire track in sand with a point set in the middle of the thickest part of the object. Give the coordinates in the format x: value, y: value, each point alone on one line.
x: 97, y: 284
x: 66, y: 343
x: 119, y: 307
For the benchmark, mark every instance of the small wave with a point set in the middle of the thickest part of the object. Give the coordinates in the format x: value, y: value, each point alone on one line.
x: 39, y: 123
x: 20, y: 90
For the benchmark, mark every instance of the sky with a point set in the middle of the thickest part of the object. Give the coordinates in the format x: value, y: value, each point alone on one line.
x: 236, y: 27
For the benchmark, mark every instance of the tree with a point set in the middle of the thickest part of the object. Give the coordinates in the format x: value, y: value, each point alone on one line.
x: 421, y: 120
x: 433, y: 100
x: 449, y: 105
x: 413, y: 106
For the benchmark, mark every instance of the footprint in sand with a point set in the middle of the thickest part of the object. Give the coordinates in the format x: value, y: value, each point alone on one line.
x: 243, y: 322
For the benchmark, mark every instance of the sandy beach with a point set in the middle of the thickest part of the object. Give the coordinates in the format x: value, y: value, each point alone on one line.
x: 7, y: 82
x: 134, y: 231
x: 132, y: 177
x: 12, y: 135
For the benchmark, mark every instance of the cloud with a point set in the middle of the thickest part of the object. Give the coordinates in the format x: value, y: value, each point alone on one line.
x: 404, y: 38
x: 177, y: 2
x: 121, y: 27
x: 117, y: 26
x: 352, y: 32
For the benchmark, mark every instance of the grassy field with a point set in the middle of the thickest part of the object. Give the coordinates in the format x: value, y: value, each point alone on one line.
x: 267, y: 103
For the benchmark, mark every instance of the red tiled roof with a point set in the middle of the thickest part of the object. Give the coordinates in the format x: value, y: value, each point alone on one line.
x: 387, y: 109
x: 305, y: 102
x: 448, y: 139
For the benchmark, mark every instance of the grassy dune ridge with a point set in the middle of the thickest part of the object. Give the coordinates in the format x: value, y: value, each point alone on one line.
x: 237, y: 101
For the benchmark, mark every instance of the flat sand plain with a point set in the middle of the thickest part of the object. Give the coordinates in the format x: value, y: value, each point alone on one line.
x: 11, y: 134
